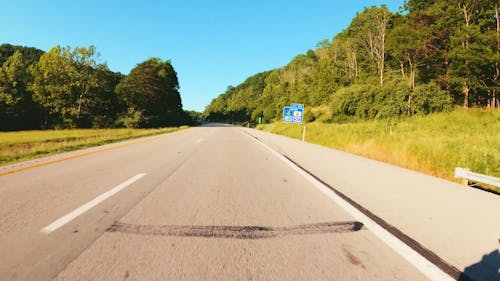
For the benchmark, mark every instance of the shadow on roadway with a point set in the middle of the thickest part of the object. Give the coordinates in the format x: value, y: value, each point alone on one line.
x: 488, y: 268
x: 213, y: 124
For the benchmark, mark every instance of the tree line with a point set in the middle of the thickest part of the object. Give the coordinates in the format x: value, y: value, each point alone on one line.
x: 68, y: 88
x: 429, y: 57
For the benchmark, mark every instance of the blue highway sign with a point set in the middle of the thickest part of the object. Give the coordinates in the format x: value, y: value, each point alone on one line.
x: 287, y: 114
x: 297, y: 105
x: 293, y: 114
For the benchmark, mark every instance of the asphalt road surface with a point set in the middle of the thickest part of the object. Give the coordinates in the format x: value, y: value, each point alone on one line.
x: 207, y: 203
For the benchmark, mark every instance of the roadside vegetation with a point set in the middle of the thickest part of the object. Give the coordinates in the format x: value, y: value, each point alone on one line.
x: 26, y: 145
x: 430, y: 57
x: 62, y: 93
x: 434, y: 144
x: 68, y: 87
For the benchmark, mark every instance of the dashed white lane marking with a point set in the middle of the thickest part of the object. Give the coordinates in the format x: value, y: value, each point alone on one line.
x: 418, y: 261
x: 87, y: 206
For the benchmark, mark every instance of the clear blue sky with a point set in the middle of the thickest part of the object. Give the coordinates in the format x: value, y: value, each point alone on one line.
x: 212, y: 44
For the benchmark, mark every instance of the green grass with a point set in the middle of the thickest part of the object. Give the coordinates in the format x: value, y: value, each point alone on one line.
x: 433, y: 144
x: 25, y: 145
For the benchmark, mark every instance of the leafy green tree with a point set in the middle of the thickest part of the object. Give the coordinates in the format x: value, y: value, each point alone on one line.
x: 470, y: 53
x: 30, y: 55
x: 194, y: 116
x: 242, y: 103
x: 323, y: 44
x: 85, y: 80
x: 17, y: 108
x: 344, y: 59
x: 369, y: 29
x: 490, y: 31
x: 52, y: 87
x: 12, y: 75
x: 216, y: 110
x: 441, y: 49
x: 371, y: 101
x: 494, y: 100
x: 152, y: 89
x: 103, y: 105
x: 405, y: 45
x: 435, y: 21
x: 429, y: 98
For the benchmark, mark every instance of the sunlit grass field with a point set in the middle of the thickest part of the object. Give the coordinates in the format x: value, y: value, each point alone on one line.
x: 433, y: 144
x: 25, y: 145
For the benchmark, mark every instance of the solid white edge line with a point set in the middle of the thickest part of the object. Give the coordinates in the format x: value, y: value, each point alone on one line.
x: 429, y: 269
x: 87, y: 206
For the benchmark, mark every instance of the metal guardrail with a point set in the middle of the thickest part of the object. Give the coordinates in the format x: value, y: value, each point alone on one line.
x: 468, y: 176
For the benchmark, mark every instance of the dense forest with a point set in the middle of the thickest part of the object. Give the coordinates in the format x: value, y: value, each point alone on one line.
x: 68, y: 88
x: 429, y: 57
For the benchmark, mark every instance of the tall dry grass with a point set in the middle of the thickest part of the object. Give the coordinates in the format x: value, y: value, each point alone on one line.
x: 433, y: 144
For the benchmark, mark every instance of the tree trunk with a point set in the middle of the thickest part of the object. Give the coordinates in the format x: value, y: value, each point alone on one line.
x: 46, y: 119
x: 412, y: 79
x: 402, y: 67
x: 467, y: 22
x: 352, y: 62
x: 79, y: 106
x: 382, y: 73
x: 376, y: 43
x: 495, y: 101
x: 409, y: 104
x: 466, y: 91
x: 413, y: 71
x: 383, y: 25
x: 46, y: 113
x: 446, y: 78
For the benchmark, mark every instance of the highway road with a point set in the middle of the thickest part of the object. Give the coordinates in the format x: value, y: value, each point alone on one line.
x: 219, y: 202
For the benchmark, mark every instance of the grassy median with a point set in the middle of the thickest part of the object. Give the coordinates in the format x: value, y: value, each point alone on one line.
x: 26, y: 145
x: 433, y: 144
